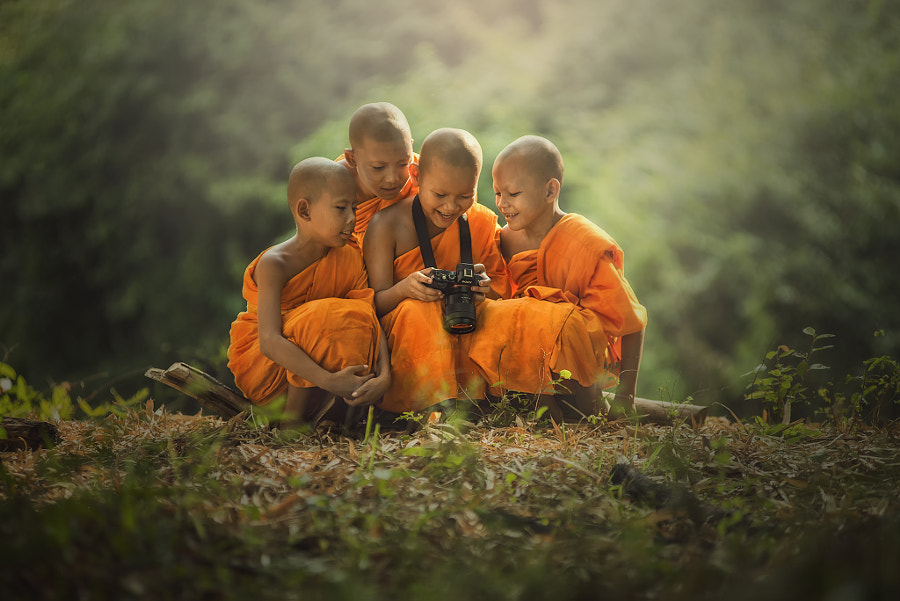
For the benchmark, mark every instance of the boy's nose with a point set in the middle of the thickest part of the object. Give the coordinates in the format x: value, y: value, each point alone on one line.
x: 452, y: 205
x: 392, y: 178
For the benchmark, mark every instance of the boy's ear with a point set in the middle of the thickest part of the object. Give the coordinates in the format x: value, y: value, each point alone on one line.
x: 553, y: 187
x: 414, y: 173
x: 301, y: 209
x: 350, y: 157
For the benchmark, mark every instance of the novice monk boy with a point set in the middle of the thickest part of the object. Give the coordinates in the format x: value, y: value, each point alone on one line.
x: 380, y: 153
x: 428, y: 364
x: 310, y: 331
x: 576, y: 311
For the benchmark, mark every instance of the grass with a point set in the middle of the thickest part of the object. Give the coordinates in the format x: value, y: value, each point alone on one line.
x: 146, y: 504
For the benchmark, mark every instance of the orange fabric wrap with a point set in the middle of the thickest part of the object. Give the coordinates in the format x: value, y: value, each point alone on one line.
x: 367, y: 208
x: 571, y: 306
x: 327, y: 310
x: 429, y: 365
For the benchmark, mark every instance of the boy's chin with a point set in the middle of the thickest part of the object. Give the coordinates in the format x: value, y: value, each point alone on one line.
x: 339, y: 242
x: 443, y: 225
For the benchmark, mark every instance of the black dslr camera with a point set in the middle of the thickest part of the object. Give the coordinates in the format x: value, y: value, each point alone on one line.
x: 459, y: 301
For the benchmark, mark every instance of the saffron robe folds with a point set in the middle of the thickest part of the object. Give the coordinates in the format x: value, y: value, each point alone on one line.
x: 571, y: 306
x: 429, y: 365
x: 327, y: 310
x: 367, y: 208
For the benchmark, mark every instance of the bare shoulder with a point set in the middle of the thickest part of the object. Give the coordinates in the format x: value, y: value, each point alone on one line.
x: 380, y: 224
x: 273, y: 265
x: 393, y: 225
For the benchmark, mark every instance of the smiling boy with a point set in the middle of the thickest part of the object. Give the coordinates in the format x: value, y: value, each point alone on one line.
x: 575, y: 311
x: 310, y: 331
x: 379, y: 158
x: 427, y: 363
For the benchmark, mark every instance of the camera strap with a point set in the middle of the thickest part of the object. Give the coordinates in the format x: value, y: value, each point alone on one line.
x: 465, y: 237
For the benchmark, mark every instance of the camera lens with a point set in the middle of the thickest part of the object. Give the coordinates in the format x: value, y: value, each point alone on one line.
x: 459, y: 310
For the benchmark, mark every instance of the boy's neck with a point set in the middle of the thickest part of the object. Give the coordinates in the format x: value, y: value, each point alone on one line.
x: 305, y: 249
x: 540, y: 228
x: 530, y: 238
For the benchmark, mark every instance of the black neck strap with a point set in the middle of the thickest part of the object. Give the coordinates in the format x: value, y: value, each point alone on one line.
x: 465, y: 238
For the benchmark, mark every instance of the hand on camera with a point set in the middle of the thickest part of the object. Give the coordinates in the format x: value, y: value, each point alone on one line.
x: 483, y: 286
x: 415, y: 286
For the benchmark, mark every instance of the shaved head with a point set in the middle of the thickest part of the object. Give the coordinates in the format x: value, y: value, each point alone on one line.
x: 540, y: 156
x: 311, y: 177
x: 455, y: 147
x: 379, y: 121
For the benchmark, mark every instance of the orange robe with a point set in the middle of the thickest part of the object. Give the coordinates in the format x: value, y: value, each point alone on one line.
x: 429, y: 365
x: 327, y: 310
x: 571, y: 306
x: 367, y: 208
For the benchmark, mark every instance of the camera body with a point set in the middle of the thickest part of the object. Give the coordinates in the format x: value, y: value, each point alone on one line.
x: 459, y: 300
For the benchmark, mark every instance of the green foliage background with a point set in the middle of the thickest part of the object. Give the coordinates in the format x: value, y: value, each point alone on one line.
x: 745, y: 154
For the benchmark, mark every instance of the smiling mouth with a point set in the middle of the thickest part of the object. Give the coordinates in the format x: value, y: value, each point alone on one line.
x: 445, y: 216
x: 509, y: 216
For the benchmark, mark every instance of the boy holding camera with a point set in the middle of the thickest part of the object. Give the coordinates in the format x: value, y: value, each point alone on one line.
x: 421, y: 309
x: 572, y: 311
x: 310, y: 331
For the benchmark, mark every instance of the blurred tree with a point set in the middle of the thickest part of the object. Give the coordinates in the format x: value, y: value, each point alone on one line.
x: 744, y: 154
x: 143, y: 162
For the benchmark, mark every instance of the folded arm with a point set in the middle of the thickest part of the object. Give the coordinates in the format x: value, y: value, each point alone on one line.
x: 270, y: 280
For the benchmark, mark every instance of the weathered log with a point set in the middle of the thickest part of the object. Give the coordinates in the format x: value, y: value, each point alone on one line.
x: 661, y: 412
x: 23, y: 433
x: 208, y: 391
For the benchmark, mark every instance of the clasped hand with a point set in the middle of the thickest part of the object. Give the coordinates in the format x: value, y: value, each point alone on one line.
x: 357, y: 386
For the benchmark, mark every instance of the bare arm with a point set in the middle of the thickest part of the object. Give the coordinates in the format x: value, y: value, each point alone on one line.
x: 378, y: 252
x: 372, y: 391
x: 270, y: 279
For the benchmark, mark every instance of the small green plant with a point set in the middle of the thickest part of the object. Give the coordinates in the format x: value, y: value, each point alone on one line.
x: 879, y: 386
x: 780, y: 381
x: 19, y: 399
x: 868, y: 395
x: 518, y: 408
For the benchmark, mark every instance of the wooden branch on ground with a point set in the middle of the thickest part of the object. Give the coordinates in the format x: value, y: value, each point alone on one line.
x: 660, y: 412
x: 208, y: 391
x: 22, y: 433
